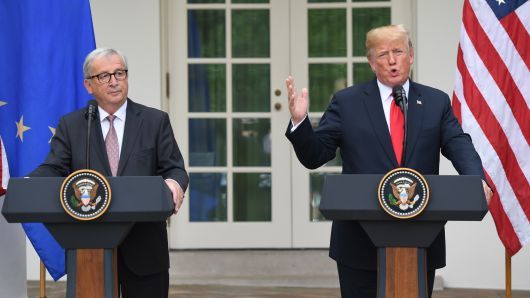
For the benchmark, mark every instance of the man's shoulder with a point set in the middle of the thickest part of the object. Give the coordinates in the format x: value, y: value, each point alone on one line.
x: 146, y: 110
x: 427, y: 90
x: 76, y: 115
x: 353, y: 92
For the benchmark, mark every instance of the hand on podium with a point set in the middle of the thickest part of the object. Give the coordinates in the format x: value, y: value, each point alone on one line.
x: 178, y: 193
x: 487, y: 191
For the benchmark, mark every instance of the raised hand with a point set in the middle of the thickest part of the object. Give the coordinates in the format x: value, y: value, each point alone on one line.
x: 298, y: 105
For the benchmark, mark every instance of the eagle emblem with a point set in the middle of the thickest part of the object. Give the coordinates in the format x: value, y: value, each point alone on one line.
x: 85, y: 191
x: 403, y: 193
x: 85, y: 194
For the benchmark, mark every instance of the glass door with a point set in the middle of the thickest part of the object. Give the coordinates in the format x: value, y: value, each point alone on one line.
x: 328, y: 54
x: 228, y: 60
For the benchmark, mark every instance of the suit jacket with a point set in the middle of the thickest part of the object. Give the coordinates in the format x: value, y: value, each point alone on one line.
x: 149, y: 149
x: 355, y: 122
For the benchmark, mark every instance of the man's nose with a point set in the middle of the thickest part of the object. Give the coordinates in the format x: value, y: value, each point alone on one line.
x: 391, y: 58
x: 113, y: 80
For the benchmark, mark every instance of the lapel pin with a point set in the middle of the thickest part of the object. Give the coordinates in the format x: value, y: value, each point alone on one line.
x: 418, y: 101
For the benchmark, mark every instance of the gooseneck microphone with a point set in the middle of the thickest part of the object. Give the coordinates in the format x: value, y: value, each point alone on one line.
x: 90, y: 114
x: 400, y: 97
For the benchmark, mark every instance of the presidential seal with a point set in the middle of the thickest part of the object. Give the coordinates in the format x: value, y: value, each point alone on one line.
x: 85, y: 194
x: 403, y: 193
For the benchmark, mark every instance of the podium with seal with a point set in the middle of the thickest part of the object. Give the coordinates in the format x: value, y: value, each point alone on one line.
x: 402, y: 217
x: 92, y: 226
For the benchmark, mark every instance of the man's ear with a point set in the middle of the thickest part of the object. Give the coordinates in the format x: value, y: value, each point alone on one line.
x: 88, y: 86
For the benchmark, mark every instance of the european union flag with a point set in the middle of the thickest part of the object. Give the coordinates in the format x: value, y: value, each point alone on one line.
x: 42, y: 48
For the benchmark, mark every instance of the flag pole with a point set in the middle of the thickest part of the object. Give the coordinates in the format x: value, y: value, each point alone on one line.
x: 508, y: 273
x: 42, y: 284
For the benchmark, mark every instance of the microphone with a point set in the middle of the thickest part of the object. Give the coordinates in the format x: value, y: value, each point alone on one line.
x: 90, y: 114
x: 400, y: 98
x: 91, y: 110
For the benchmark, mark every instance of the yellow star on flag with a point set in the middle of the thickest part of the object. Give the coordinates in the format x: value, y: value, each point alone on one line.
x: 21, y: 128
x: 2, y: 103
x: 53, y: 133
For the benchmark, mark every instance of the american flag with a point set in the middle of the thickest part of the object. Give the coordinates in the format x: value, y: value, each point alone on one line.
x: 4, y: 169
x: 492, y: 99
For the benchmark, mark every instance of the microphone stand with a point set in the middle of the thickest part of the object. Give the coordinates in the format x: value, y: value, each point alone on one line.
x: 405, y: 107
x: 91, y: 114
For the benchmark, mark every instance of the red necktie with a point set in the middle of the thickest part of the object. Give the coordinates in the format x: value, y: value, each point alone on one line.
x: 397, y: 129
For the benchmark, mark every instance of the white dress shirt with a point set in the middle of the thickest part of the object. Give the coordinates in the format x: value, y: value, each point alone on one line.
x: 386, y: 98
x: 119, y: 122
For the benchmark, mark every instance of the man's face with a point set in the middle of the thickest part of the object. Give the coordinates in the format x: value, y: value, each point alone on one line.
x: 391, y: 62
x: 110, y: 96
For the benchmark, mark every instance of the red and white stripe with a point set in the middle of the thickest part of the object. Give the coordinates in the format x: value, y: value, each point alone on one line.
x: 492, y: 100
x: 4, y: 169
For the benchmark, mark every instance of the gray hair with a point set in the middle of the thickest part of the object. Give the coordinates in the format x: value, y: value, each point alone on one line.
x: 97, y: 53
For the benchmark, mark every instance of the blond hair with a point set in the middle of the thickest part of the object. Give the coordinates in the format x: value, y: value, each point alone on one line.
x: 387, y: 33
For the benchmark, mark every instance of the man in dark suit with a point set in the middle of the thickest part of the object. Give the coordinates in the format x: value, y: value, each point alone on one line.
x: 358, y: 121
x: 128, y: 139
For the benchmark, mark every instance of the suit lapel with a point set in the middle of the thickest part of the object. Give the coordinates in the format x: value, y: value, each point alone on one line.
x: 374, y: 110
x: 133, y: 123
x: 415, y: 119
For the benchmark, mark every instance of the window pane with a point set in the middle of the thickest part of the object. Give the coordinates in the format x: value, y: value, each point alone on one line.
x: 364, y: 19
x: 362, y: 73
x: 250, y: 1
x: 206, y: 33
x: 316, y: 183
x: 206, y: 1
x: 324, y: 1
x: 251, y: 87
x: 207, y: 87
x: 327, y: 32
x: 250, y: 33
x: 207, y: 139
x: 324, y: 81
x: 252, y: 142
x: 252, y: 197
x: 337, y: 161
x: 207, y: 197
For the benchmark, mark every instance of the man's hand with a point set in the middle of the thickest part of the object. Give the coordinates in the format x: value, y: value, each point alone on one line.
x: 297, y: 104
x: 178, y: 193
x: 487, y: 192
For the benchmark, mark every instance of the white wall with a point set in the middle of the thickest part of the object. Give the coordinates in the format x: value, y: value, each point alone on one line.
x: 475, y: 255
x: 133, y: 27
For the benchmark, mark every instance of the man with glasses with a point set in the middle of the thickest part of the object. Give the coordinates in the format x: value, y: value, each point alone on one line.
x: 138, y: 141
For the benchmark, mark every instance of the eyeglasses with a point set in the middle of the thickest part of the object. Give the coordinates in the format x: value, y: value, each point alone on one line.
x: 104, y: 78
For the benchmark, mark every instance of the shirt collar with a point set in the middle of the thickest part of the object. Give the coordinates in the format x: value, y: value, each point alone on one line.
x: 386, y: 91
x: 120, y: 113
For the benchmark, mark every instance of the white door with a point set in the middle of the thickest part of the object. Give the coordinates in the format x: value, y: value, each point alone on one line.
x: 228, y: 60
x: 328, y: 54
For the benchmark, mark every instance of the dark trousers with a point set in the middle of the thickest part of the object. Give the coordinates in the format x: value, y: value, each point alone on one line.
x: 135, y: 286
x: 358, y: 283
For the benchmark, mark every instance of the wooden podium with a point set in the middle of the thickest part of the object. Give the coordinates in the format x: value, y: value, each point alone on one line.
x: 91, y: 262
x: 403, y: 254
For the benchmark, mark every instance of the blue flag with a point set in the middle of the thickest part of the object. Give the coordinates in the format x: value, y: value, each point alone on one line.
x: 42, y: 48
